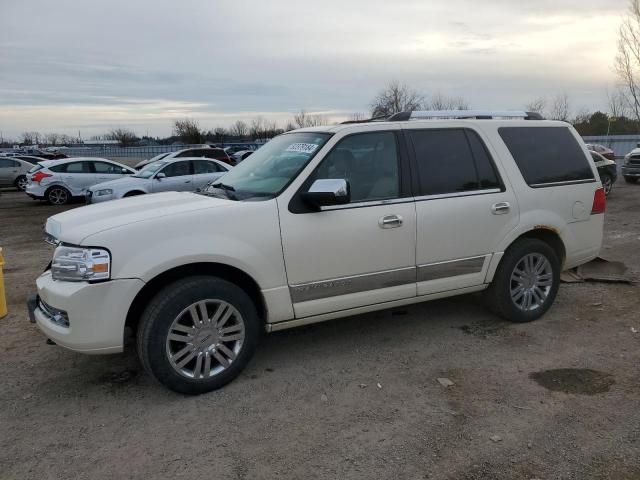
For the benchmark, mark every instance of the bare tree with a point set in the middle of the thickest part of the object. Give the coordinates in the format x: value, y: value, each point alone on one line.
x: 396, y: 97
x: 220, y: 134
x: 628, y: 58
x: 582, y: 116
x: 438, y: 101
x: 560, y: 107
x: 124, y: 136
x: 52, y: 138
x: 357, y: 117
x: 302, y: 119
x: 289, y: 126
x: 536, y: 105
x: 257, y: 128
x: 618, y: 105
x: 188, y: 130
x: 239, y: 129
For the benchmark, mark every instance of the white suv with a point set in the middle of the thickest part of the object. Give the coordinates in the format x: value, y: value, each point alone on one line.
x: 322, y: 223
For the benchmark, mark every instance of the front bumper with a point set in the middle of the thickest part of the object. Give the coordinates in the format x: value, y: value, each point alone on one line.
x: 96, y: 312
x: 631, y: 171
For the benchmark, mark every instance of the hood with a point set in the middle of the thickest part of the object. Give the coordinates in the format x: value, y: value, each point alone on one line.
x: 635, y: 151
x: 119, y: 183
x: 73, y: 226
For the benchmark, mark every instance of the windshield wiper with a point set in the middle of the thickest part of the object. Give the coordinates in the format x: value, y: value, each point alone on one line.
x: 223, y: 186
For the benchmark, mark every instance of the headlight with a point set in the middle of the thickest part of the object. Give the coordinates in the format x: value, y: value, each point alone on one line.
x: 106, y: 191
x: 76, y: 264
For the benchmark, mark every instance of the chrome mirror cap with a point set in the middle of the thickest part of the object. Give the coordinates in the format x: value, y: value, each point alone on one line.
x: 328, y: 191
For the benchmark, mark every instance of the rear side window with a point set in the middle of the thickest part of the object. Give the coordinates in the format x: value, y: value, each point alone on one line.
x: 75, y: 167
x: 546, y: 155
x: 177, y: 169
x: 451, y: 161
x: 6, y: 163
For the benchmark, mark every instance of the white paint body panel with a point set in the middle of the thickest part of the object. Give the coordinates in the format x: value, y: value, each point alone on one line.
x: 149, y: 235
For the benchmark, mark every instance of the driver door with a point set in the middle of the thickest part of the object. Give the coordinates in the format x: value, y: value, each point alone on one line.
x: 347, y: 256
x: 178, y: 178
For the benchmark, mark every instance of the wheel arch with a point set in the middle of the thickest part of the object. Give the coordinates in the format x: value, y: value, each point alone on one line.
x: 549, y: 235
x: 220, y: 270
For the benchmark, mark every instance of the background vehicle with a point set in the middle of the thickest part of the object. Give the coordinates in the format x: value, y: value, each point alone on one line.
x: 58, y: 181
x: 205, y: 152
x: 631, y: 166
x: 606, y: 152
x: 607, y: 169
x: 13, y: 172
x: 323, y: 223
x: 174, y: 174
x: 242, y: 155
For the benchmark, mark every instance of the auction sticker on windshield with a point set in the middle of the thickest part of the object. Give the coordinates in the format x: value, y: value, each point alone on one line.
x: 302, y: 147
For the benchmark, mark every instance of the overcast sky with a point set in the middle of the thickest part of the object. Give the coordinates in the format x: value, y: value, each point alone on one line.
x: 93, y: 65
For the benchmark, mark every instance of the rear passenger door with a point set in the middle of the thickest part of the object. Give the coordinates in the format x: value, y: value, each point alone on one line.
x: 8, y: 171
x: 77, y: 176
x: 464, y: 207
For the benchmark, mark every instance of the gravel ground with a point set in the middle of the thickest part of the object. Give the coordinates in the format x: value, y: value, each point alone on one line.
x: 354, y: 398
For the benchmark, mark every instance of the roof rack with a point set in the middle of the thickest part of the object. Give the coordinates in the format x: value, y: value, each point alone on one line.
x: 464, y: 114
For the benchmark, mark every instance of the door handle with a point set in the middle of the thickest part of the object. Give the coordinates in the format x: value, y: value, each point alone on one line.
x: 500, y: 208
x: 390, y: 221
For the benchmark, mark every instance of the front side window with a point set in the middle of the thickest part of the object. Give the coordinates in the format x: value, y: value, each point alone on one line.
x: 271, y: 168
x: 149, y: 170
x: 177, y: 169
x: 452, y: 161
x: 107, y: 168
x: 547, y: 155
x: 369, y: 162
x: 202, y: 166
x: 6, y: 163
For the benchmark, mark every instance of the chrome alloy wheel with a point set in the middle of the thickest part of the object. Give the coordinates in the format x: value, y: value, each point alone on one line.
x: 205, y: 338
x: 58, y: 196
x: 22, y: 183
x: 607, y: 184
x: 531, y: 281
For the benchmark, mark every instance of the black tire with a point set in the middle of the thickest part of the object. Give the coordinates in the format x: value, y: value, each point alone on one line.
x: 607, y: 183
x: 132, y: 194
x: 21, y: 183
x: 631, y: 179
x: 167, y: 306
x: 57, y: 195
x: 498, y: 295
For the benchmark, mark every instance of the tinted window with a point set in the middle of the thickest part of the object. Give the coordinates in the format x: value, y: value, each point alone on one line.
x: 214, y: 153
x: 202, y: 166
x: 453, y: 160
x: 77, y: 167
x: 177, y: 169
x: 369, y: 161
x: 108, y: 168
x: 546, y: 154
x: 192, y: 153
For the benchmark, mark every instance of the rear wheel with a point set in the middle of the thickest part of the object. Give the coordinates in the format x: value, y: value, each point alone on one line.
x: 21, y: 183
x: 132, y: 194
x: 607, y: 183
x: 58, y: 195
x: 198, y: 334
x: 526, y: 281
x: 631, y: 179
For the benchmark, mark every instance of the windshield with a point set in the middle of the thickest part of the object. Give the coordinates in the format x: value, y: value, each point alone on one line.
x: 267, y: 171
x: 149, y: 170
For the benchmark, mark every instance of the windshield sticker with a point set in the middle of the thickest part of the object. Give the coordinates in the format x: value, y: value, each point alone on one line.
x: 302, y: 147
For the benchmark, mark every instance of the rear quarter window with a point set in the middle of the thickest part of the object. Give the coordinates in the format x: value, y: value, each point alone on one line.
x: 547, y: 155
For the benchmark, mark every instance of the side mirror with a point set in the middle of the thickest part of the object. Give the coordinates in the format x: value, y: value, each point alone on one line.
x: 160, y: 176
x: 326, y: 192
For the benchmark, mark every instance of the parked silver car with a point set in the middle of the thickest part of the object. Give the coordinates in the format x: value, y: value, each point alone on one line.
x: 174, y: 174
x: 58, y: 181
x: 13, y: 172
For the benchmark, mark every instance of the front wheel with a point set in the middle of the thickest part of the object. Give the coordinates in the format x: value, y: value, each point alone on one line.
x: 607, y: 183
x: 526, y: 281
x: 198, y: 334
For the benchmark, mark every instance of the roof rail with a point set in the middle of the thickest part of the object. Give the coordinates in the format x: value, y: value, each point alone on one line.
x: 464, y: 114
x: 366, y: 120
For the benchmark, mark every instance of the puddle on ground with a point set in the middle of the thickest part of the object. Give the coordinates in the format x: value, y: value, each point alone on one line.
x: 118, y: 378
x: 581, y: 381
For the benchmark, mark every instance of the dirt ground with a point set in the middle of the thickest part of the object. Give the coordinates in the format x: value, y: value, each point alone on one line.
x: 354, y: 398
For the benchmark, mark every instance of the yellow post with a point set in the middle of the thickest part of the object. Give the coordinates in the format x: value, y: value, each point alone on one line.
x: 3, y: 300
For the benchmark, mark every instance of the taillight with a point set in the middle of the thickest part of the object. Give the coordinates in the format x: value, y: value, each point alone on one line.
x: 39, y: 176
x: 599, y: 201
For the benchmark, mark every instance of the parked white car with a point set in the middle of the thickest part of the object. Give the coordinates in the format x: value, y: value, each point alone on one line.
x: 58, y: 181
x: 176, y: 174
x: 322, y: 223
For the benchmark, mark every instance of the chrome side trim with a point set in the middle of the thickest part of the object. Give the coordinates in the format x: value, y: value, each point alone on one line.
x: 372, y: 203
x: 305, y: 292
x: 457, y: 194
x: 568, y: 182
x: 450, y: 268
